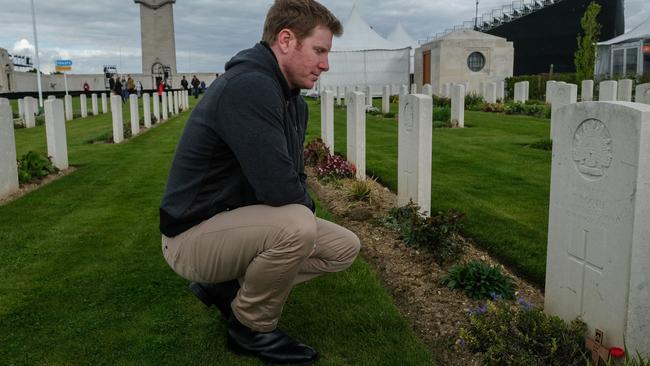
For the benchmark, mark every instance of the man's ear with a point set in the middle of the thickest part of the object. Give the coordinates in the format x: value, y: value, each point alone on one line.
x: 284, y: 39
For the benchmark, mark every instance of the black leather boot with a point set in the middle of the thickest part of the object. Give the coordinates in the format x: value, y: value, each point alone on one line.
x: 275, y: 347
x: 219, y: 294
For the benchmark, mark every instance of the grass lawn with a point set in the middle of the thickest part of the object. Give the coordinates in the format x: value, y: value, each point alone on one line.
x: 485, y: 171
x: 84, y: 280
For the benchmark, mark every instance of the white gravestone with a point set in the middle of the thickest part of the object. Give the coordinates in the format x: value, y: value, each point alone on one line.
x: 346, y: 91
x: 170, y: 102
x: 549, y: 90
x: 563, y: 94
x: 519, y: 92
x: 327, y: 118
x: 146, y: 109
x: 68, y: 107
x: 134, y: 114
x: 57, y: 143
x: 458, y: 106
x: 30, y: 109
x: 156, y: 107
x: 356, y: 133
x: 403, y: 92
x: 608, y: 89
x: 116, y: 111
x: 445, y: 90
x: 104, y: 104
x: 526, y: 90
x: 414, y: 151
x: 8, y: 166
x: 175, y: 102
x: 598, y: 257
x: 643, y: 93
x: 368, y: 96
x: 414, y: 88
x: 51, y: 97
x: 338, y: 96
x: 624, y: 93
x: 587, y: 91
x: 385, y: 99
x: 21, y: 108
x: 501, y: 90
x: 491, y: 92
x: 93, y: 104
x: 165, y: 107
x: 427, y: 89
x: 598, y: 261
x: 84, y: 105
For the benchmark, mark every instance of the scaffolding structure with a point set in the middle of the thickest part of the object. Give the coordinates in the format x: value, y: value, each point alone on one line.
x: 497, y: 17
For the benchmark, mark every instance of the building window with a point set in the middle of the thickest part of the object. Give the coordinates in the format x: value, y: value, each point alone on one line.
x: 617, y: 64
x: 476, y: 61
x: 631, y: 61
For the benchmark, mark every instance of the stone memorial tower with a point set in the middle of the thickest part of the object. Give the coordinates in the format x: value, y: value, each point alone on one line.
x: 158, y: 41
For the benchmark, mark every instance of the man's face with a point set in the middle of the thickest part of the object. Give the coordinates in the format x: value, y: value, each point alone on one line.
x: 307, y: 59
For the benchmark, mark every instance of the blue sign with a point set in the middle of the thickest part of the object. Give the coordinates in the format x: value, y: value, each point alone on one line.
x: 63, y: 62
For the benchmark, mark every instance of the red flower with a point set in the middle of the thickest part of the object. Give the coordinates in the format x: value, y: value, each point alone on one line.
x: 617, y: 352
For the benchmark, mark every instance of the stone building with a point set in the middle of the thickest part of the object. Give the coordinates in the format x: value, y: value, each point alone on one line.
x: 158, y: 39
x: 6, y: 71
x: 465, y: 57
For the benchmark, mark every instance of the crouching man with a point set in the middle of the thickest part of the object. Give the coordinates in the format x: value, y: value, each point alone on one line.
x: 236, y: 217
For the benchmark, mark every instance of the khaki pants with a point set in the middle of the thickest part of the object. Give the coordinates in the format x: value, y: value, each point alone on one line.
x: 269, y: 249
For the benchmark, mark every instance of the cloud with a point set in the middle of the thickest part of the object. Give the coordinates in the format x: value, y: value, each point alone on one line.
x: 23, y: 47
x: 208, y: 33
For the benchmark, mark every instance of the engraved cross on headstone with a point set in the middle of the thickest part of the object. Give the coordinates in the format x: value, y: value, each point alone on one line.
x: 585, y: 253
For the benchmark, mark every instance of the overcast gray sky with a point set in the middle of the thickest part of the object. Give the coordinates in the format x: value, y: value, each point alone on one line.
x: 208, y: 32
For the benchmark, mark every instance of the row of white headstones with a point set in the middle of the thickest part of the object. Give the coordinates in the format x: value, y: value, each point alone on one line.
x: 598, y: 253
x: 55, y: 128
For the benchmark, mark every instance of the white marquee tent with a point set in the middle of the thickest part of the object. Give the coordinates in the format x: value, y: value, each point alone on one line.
x: 362, y: 57
x: 627, y: 54
x: 399, y: 36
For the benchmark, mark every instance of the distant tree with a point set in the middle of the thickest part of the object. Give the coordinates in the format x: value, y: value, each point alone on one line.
x: 585, y: 56
x: 56, y: 73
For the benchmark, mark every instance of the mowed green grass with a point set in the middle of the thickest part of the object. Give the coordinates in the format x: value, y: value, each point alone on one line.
x: 485, y: 170
x: 84, y: 281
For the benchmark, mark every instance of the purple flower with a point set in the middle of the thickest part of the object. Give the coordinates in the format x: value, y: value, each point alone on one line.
x: 524, y: 304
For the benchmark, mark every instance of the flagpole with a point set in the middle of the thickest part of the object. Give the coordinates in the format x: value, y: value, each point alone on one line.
x: 38, y: 62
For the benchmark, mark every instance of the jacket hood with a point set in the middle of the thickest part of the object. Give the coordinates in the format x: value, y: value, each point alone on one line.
x: 260, y: 58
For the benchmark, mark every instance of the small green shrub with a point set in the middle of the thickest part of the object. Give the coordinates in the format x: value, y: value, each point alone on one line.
x: 441, y: 114
x: 474, y: 101
x: 316, y: 152
x: 438, y: 234
x: 493, y: 107
x: 544, y: 144
x: 361, y: 189
x: 441, y: 101
x: 506, y: 334
x: 479, y: 280
x: 33, y: 166
x: 537, y: 110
